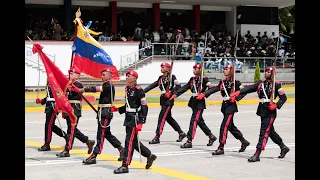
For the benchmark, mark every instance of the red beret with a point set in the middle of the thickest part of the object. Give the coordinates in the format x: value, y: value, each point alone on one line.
x: 165, y: 65
x: 74, y: 69
x: 133, y: 73
x: 270, y: 68
x: 197, y: 66
x: 227, y: 66
x: 106, y: 70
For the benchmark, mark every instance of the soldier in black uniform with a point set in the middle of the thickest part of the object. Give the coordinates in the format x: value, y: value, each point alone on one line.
x: 50, y: 120
x: 136, y: 111
x: 75, y: 98
x: 197, y: 106
x: 105, y: 114
x: 228, y: 108
x: 166, y: 104
x: 267, y: 112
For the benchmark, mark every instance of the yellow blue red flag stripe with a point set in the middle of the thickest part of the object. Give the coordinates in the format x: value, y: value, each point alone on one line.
x: 89, y: 56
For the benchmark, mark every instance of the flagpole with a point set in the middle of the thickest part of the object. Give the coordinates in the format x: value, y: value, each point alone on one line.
x: 71, y: 62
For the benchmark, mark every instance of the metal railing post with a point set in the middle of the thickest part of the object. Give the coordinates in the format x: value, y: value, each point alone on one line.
x: 135, y: 60
x: 264, y: 65
x: 152, y: 47
x: 121, y: 62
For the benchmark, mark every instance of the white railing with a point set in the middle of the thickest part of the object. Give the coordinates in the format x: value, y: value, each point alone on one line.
x: 246, y: 64
x: 136, y: 57
x: 184, y: 50
x: 34, y: 58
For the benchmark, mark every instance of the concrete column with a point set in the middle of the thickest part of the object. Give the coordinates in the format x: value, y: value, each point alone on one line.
x: 113, y: 8
x: 196, y: 15
x: 231, y: 20
x: 156, y: 15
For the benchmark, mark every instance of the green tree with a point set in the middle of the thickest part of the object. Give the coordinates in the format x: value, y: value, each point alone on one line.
x: 257, y: 72
x: 287, y: 19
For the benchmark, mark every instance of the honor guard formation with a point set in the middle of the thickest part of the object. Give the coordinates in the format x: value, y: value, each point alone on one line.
x: 135, y: 113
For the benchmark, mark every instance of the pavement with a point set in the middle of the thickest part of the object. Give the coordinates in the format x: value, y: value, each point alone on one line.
x: 173, y: 162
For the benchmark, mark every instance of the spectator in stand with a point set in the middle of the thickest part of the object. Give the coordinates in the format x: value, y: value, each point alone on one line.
x: 103, y: 37
x: 273, y: 36
x: 265, y: 36
x: 57, y: 32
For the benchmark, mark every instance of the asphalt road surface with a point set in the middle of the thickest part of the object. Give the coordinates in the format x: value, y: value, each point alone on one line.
x: 173, y: 162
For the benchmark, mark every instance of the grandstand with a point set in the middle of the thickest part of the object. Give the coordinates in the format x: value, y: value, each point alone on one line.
x: 152, y: 27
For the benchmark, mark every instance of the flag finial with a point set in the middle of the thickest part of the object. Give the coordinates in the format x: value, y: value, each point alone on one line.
x: 78, y: 13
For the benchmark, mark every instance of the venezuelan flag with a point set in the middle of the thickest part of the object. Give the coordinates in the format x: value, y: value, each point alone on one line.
x: 89, y: 55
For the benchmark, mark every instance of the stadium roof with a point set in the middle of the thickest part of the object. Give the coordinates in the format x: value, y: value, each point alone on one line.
x: 263, y: 3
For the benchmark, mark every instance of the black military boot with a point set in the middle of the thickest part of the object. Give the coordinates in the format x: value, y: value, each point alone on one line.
x: 90, y: 144
x: 45, y: 147
x: 256, y: 156
x: 150, y: 160
x: 65, y: 138
x: 219, y: 151
x: 187, y: 144
x: 244, y: 145
x: 212, y: 138
x: 181, y: 136
x: 121, y: 169
x: 284, y: 151
x: 155, y: 140
x: 64, y: 153
x: 91, y: 159
x: 121, y: 153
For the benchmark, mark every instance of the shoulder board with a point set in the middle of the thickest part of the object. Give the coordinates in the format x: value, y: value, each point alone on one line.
x: 138, y: 87
x: 203, y: 76
x: 278, y: 82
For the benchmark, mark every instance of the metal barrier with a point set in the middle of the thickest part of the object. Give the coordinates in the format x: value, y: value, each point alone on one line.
x: 132, y: 59
x: 184, y: 50
x: 34, y: 59
x: 248, y: 64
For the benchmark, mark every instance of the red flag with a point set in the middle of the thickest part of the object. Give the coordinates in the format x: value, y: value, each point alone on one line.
x: 58, y: 83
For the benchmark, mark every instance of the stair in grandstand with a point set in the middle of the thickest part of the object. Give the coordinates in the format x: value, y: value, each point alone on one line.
x: 34, y: 65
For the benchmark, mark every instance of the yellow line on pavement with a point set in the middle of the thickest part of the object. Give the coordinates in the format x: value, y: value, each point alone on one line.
x: 43, y: 94
x: 87, y: 107
x: 134, y: 164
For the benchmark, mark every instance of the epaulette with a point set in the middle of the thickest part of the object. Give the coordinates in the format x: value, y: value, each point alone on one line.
x: 278, y: 82
x: 138, y: 87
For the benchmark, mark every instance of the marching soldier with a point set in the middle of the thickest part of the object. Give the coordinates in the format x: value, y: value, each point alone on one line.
x: 228, y: 108
x: 197, y: 106
x: 267, y: 112
x: 136, y: 111
x: 75, y: 100
x: 105, y: 114
x: 50, y: 120
x: 166, y: 104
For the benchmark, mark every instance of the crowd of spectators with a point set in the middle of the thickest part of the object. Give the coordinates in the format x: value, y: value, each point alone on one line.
x: 220, y: 43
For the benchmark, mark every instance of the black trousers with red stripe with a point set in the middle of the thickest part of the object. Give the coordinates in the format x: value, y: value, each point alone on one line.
x: 51, y: 127
x: 266, y: 130
x: 105, y: 133
x: 131, y: 143
x: 197, y: 120
x: 166, y: 115
x: 74, y: 132
x: 228, y: 125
